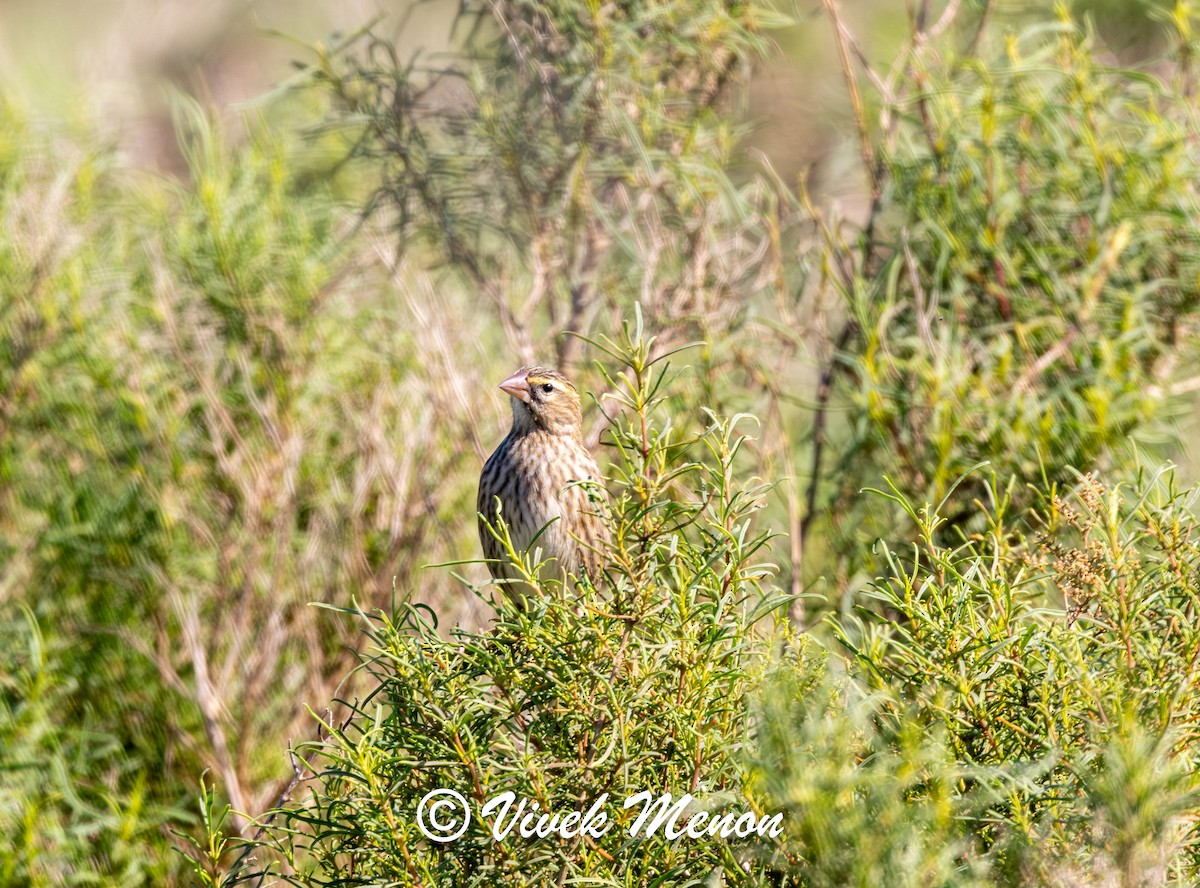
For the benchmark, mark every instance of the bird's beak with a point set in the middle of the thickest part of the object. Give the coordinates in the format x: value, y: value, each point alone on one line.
x: 517, y: 386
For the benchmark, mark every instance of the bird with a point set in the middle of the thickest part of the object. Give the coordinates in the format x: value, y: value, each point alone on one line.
x: 532, y: 481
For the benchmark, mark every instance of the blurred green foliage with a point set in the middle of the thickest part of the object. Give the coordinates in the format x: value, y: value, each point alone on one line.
x: 199, y: 389
x: 869, y: 800
x: 75, y: 802
x: 1029, y: 285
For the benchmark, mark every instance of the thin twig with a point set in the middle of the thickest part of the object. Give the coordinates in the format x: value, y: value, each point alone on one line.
x: 948, y: 15
x: 297, y: 777
x: 973, y: 46
x: 842, y: 37
x: 1056, y: 351
x: 824, y: 392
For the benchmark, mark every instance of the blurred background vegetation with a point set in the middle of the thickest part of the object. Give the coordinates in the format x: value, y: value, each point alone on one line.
x: 227, y: 393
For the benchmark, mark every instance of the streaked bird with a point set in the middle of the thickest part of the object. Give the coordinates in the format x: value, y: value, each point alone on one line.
x: 532, y: 477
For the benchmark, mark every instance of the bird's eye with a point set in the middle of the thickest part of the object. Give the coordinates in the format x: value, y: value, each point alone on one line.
x: 548, y: 388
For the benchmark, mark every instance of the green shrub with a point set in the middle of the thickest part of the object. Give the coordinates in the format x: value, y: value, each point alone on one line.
x: 870, y: 798
x: 75, y: 807
x: 1022, y: 716
x: 76, y: 798
x: 639, y: 683
x: 199, y: 392
x: 1070, y: 661
x: 1026, y: 285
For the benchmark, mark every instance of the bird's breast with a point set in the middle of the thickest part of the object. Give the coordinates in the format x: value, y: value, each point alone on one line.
x: 538, y: 490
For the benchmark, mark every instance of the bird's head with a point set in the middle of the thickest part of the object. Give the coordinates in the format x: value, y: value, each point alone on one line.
x: 543, y: 399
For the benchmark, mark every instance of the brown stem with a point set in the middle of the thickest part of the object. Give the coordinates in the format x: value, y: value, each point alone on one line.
x: 842, y: 39
x: 824, y: 392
